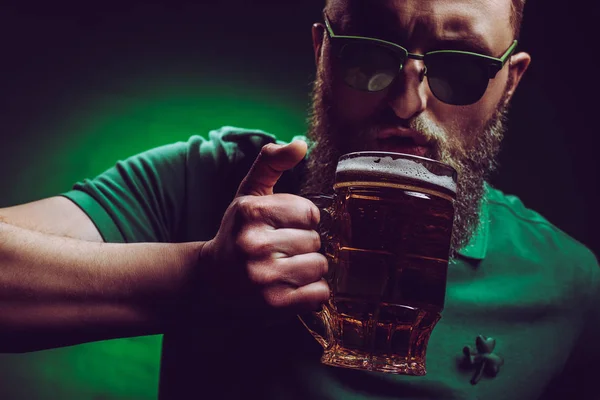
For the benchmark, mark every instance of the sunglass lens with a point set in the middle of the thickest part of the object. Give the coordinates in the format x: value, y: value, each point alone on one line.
x: 368, y: 67
x: 457, y: 79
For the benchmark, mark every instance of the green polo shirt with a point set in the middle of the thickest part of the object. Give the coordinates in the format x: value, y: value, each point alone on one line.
x: 521, y: 281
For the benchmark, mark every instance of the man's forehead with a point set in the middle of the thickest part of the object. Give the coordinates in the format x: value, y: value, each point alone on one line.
x: 447, y: 19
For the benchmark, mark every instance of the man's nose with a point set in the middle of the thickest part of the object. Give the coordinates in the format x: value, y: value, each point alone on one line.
x: 408, y: 94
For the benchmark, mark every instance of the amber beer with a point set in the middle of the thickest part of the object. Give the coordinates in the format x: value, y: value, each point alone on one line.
x: 388, y: 246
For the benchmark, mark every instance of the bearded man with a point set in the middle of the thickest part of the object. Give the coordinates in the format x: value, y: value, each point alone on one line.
x: 209, y: 242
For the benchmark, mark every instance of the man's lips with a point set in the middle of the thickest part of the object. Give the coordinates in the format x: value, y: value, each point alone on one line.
x: 398, y: 132
x: 402, y: 140
x: 402, y: 146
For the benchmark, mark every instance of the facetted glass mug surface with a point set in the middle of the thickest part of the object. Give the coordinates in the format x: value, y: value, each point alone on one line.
x: 386, y: 232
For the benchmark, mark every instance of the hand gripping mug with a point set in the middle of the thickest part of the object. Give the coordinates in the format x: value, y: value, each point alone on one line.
x: 386, y: 233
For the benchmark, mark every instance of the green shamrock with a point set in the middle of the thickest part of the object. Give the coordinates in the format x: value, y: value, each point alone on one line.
x: 483, y: 358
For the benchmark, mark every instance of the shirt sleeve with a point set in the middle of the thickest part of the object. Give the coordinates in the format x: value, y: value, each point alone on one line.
x: 137, y: 199
x: 172, y: 193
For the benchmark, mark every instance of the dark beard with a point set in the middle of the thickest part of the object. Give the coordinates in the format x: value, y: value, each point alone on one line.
x: 329, y: 140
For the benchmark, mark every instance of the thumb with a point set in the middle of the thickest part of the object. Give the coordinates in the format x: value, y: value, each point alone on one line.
x: 271, y: 162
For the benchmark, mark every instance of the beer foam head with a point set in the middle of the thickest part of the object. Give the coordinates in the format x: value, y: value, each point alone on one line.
x: 394, y: 165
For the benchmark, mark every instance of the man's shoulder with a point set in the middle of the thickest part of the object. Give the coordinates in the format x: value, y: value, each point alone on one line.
x: 232, y: 144
x: 225, y: 144
x: 246, y: 137
x: 513, y: 207
x: 516, y: 226
x: 233, y: 135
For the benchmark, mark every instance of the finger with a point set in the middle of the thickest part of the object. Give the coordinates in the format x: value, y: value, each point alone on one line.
x: 309, y: 297
x: 260, y: 243
x: 290, y: 272
x: 281, y: 210
x: 271, y: 162
x: 302, y: 269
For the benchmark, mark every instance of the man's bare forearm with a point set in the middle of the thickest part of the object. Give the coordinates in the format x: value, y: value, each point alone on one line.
x: 57, y: 291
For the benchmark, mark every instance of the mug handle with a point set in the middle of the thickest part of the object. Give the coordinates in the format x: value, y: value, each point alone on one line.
x: 319, y: 322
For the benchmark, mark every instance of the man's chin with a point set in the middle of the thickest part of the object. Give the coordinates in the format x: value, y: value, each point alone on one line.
x: 332, y: 138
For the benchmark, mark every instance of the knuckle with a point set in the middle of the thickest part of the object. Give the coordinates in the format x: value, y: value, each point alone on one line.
x: 266, y: 153
x: 310, y: 211
x: 323, y: 265
x: 277, y: 299
x: 248, y: 208
x: 307, y: 212
x: 316, y: 246
x: 314, y: 214
x: 324, y: 292
x: 267, y: 149
x: 261, y: 274
x: 319, y: 267
x: 253, y: 243
x: 314, y: 268
x: 242, y: 241
x: 241, y: 202
x: 257, y: 246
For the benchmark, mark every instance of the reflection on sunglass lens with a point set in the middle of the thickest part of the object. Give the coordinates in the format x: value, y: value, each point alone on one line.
x: 456, y: 78
x: 368, y: 67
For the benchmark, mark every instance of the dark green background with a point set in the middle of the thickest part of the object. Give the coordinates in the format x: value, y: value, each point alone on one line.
x: 83, y: 85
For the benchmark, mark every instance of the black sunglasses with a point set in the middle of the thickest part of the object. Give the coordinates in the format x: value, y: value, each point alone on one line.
x: 455, y: 77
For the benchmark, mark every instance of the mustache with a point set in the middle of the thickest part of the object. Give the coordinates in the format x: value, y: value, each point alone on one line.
x: 435, y: 135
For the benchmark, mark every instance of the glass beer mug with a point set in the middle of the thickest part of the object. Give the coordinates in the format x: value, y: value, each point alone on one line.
x: 386, y: 232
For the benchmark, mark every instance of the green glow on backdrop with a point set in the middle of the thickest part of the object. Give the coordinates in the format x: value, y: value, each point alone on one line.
x: 88, y: 134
